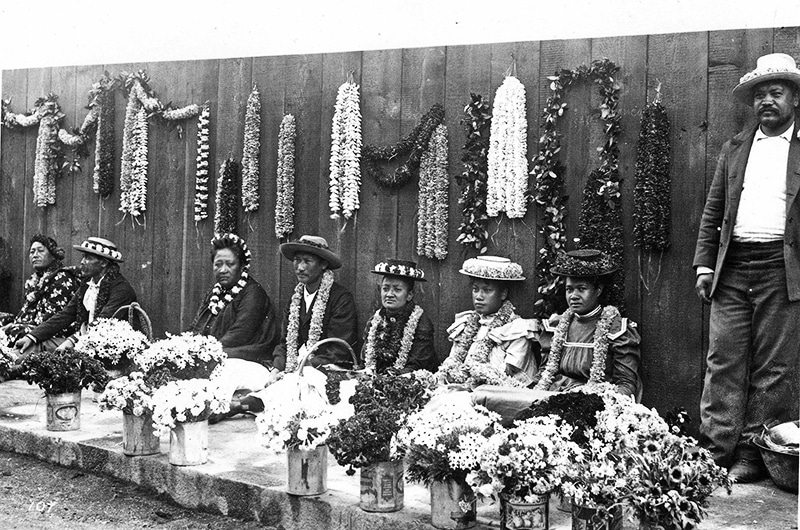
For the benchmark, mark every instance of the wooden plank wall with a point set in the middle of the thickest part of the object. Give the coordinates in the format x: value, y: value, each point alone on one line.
x: 167, y: 256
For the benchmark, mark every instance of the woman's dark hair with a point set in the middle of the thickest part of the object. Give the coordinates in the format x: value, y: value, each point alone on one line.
x: 500, y: 284
x: 50, y: 244
x: 408, y: 282
x: 221, y: 243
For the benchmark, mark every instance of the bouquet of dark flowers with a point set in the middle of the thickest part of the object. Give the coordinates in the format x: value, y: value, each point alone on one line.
x: 578, y: 409
x: 381, y: 406
x: 63, y: 372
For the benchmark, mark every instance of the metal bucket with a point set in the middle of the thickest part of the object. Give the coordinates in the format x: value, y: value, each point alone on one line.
x: 382, y: 487
x: 64, y: 411
x: 584, y: 518
x: 138, y: 437
x: 782, y: 466
x: 515, y: 515
x: 188, y: 443
x: 307, y: 471
x: 452, y: 505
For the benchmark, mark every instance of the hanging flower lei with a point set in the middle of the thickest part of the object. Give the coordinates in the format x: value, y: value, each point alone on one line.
x: 217, y: 301
x: 252, y: 145
x: 433, y: 199
x: 456, y: 366
x: 597, y: 372
x: 379, y: 324
x: 201, y: 171
x: 473, y: 230
x: 345, y: 177
x: 102, y: 100
x: 225, y: 215
x: 317, y: 314
x: 651, y: 193
x: 412, y: 144
x: 284, y: 208
x: 547, y: 189
x: 507, y: 179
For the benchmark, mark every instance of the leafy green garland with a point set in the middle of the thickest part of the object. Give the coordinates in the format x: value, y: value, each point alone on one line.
x: 413, y: 144
x: 477, y: 122
x: 651, y: 193
x: 547, y: 189
x: 227, y: 203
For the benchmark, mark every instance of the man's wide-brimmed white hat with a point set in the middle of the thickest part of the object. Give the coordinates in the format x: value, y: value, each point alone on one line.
x: 768, y: 67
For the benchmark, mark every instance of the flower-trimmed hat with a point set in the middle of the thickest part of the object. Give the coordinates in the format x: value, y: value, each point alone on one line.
x: 584, y: 263
x: 229, y: 239
x: 100, y: 247
x: 769, y: 67
x: 313, y: 245
x: 397, y: 267
x: 492, y: 268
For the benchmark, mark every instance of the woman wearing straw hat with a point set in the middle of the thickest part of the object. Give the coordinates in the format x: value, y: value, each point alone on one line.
x: 490, y: 342
x: 589, y: 343
x: 399, y: 336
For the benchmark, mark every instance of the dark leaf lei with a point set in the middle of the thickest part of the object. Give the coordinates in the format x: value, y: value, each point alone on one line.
x: 227, y: 204
x: 476, y: 121
x: 547, y: 189
x: 413, y: 144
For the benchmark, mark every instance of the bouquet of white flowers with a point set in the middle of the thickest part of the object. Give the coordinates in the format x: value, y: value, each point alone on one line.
x: 185, y: 356
x: 131, y: 394
x: 111, y: 340
x: 185, y: 401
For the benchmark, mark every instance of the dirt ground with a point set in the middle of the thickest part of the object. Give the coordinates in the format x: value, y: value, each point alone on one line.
x: 35, y: 495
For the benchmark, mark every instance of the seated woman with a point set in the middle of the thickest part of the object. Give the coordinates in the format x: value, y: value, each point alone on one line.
x: 238, y: 312
x: 589, y: 342
x: 490, y: 342
x: 47, y: 291
x: 399, y: 337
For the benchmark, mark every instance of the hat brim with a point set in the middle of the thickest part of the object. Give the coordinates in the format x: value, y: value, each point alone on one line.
x: 743, y: 91
x: 96, y: 253
x: 290, y: 249
x: 399, y: 276
x: 566, y: 274
x: 493, y: 278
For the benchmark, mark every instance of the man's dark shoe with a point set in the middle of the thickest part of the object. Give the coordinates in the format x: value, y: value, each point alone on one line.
x: 745, y: 471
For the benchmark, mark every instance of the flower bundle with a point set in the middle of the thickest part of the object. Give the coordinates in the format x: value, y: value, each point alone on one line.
x: 476, y: 121
x: 181, y: 113
x: 184, y: 356
x: 102, y: 101
x: 252, y: 145
x: 413, y: 145
x: 381, y: 406
x: 530, y: 459
x: 46, y: 165
x: 507, y: 175
x: 132, y: 394
x: 227, y: 207
x: 63, y: 372
x: 186, y: 401
x: 651, y: 192
x: 201, y: 169
x: 433, y: 198
x: 443, y: 443
x: 345, y: 167
x: 111, y: 340
x: 284, y: 207
x: 12, y: 119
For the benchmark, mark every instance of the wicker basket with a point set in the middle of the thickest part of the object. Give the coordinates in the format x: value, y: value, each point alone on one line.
x: 334, y: 373
x: 137, y: 318
x: 782, y: 466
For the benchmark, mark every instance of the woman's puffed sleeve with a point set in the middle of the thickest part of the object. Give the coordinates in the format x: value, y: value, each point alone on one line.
x: 624, y: 348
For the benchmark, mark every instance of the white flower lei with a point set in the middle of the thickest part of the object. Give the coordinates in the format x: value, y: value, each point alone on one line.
x: 284, y: 208
x: 252, y: 145
x: 133, y: 173
x: 217, y: 304
x: 201, y: 171
x: 597, y: 373
x: 433, y: 199
x: 405, y: 343
x: 345, y: 162
x: 507, y: 159
x: 317, y: 314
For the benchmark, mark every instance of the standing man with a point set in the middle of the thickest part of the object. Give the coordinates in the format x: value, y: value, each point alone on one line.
x: 748, y: 268
x: 103, y: 291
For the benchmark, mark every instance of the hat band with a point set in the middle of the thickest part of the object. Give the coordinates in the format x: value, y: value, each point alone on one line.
x: 313, y: 244
x: 111, y: 253
x: 399, y: 270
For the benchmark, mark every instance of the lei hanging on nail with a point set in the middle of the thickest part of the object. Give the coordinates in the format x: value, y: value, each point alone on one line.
x: 507, y: 177
x: 597, y: 372
x: 413, y: 145
x: 217, y: 301
x: 345, y: 175
x: 201, y: 169
x: 380, y: 345
x: 476, y: 121
x: 227, y: 205
x: 433, y: 198
x: 252, y: 146
x: 284, y: 207
x: 547, y: 189
x: 317, y: 314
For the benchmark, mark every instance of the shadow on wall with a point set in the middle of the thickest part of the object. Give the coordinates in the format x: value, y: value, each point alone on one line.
x: 5, y: 277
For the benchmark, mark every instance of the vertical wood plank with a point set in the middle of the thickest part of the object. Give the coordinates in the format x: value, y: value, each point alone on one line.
x: 58, y: 219
x: 673, y: 344
x: 35, y: 216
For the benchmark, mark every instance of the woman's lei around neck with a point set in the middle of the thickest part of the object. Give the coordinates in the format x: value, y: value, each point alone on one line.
x: 218, y: 300
x: 381, y: 321
x: 317, y: 314
x: 597, y: 373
